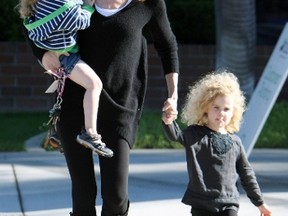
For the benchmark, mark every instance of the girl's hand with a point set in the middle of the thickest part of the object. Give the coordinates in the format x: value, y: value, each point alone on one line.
x: 264, y: 210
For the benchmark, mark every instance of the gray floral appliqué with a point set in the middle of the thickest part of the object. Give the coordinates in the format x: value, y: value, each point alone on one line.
x: 221, y: 143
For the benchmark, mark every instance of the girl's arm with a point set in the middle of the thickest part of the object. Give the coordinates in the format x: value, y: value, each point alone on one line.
x: 249, y: 181
x: 172, y: 131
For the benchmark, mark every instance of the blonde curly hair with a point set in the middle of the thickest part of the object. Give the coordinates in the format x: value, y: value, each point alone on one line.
x: 204, y: 92
x: 26, y: 8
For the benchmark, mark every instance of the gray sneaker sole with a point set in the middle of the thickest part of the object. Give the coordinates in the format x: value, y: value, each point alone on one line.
x: 88, y: 145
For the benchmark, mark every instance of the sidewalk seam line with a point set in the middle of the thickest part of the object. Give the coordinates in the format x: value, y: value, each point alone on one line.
x: 20, y: 198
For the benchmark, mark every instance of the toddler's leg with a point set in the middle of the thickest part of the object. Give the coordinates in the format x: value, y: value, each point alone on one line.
x: 83, y: 75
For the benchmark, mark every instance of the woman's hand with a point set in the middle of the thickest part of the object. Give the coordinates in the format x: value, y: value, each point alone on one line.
x: 50, y: 61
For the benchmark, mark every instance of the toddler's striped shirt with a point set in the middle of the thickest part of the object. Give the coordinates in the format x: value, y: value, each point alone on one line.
x: 55, y: 23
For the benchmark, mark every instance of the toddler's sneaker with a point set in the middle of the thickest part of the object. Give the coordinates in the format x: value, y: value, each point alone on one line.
x: 95, y: 143
x: 55, y: 142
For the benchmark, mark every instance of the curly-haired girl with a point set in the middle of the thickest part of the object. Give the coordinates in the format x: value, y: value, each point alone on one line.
x: 215, y: 156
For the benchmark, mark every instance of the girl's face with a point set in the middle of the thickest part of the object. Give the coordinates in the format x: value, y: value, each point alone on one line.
x: 220, y: 112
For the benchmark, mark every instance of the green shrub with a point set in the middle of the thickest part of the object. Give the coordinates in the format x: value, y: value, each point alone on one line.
x: 192, y: 21
x: 10, y: 22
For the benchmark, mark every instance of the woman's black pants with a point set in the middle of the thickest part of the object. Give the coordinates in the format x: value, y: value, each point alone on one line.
x: 114, y: 171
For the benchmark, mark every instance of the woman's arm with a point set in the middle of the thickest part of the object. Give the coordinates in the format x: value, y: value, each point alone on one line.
x: 163, y: 38
x: 166, y: 46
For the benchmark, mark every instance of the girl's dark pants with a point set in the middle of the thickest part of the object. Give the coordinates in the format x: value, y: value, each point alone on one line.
x: 114, y: 171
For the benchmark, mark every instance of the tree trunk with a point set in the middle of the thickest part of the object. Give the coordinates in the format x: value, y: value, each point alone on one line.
x: 236, y: 40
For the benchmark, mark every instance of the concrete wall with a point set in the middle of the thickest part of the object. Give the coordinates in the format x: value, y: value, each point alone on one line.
x: 22, y: 82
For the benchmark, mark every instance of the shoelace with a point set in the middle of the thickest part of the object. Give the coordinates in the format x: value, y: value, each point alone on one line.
x: 98, y: 138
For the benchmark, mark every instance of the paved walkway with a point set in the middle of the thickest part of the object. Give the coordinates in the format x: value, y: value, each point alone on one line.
x: 36, y: 183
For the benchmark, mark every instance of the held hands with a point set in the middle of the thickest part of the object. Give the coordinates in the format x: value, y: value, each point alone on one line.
x: 169, y: 111
x: 264, y: 210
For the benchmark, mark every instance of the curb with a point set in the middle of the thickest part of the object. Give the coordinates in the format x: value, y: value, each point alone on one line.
x: 33, y: 144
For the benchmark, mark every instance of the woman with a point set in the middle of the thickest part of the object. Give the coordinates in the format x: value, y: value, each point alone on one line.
x: 114, y: 47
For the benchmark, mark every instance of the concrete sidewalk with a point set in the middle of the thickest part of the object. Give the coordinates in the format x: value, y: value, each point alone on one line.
x: 36, y: 183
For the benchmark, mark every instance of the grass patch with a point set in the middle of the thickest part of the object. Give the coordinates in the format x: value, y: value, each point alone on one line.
x: 150, y: 133
x: 275, y: 131
x: 17, y: 127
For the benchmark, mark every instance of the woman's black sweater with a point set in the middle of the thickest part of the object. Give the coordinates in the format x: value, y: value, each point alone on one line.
x: 116, y: 49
